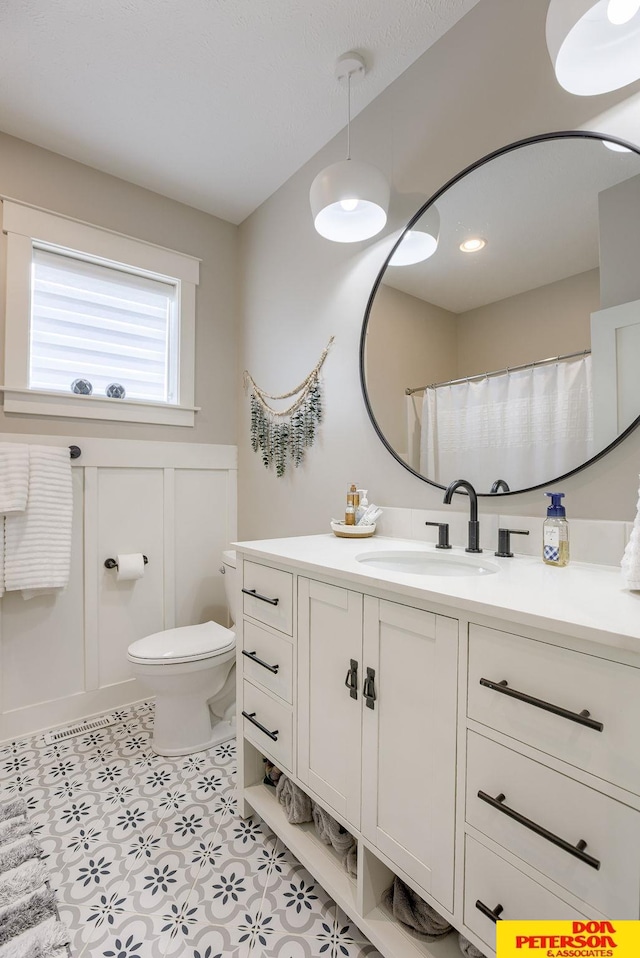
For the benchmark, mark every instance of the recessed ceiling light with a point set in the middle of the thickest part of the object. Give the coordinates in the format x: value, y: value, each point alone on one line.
x: 473, y: 245
x: 616, y: 147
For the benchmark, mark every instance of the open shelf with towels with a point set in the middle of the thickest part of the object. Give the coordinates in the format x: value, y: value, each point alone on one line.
x: 359, y: 898
x: 321, y: 860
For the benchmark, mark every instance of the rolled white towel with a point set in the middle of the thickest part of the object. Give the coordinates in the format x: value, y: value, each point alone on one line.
x: 468, y: 949
x: 631, y: 569
x: 630, y: 563
x: 2, y: 523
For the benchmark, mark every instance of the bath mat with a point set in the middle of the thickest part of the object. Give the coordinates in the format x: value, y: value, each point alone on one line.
x: 30, y: 925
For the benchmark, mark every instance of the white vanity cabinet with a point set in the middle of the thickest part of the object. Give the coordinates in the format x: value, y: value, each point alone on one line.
x: 563, y: 702
x: 266, y: 657
x: 329, y: 718
x: 409, y: 742
x: 493, y: 767
x: 551, y: 779
x: 494, y: 887
x: 377, y: 724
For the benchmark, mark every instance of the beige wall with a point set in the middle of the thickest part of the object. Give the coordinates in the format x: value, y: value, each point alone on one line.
x: 488, y: 82
x: 409, y: 343
x: 547, y: 321
x: 47, y: 180
x: 620, y: 242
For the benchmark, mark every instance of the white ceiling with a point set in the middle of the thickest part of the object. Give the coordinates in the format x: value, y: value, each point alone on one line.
x: 215, y: 103
x: 536, y: 207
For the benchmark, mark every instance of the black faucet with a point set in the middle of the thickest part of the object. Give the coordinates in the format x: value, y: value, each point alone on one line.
x: 474, y: 525
x: 498, y: 485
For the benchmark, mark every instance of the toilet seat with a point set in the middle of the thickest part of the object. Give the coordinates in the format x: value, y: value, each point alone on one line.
x: 190, y: 643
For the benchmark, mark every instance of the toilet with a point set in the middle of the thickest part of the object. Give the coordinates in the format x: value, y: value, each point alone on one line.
x: 191, y: 672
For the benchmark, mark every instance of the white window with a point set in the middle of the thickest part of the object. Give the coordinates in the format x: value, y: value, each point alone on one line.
x: 103, y: 324
x: 98, y: 325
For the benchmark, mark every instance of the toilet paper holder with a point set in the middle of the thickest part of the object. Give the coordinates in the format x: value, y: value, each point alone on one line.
x: 112, y: 563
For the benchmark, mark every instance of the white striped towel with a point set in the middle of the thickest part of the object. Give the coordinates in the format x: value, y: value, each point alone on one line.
x: 2, y: 521
x: 38, y: 543
x: 14, y: 477
x: 631, y: 558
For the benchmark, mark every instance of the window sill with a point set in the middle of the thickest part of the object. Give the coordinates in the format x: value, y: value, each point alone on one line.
x: 41, y: 403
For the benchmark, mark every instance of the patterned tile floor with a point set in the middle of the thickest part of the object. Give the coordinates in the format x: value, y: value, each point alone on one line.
x: 149, y: 857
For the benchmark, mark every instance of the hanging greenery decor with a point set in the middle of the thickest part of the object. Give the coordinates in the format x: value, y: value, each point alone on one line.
x: 283, y: 435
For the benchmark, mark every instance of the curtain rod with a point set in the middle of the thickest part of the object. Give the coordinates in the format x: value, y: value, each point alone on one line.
x: 498, y: 372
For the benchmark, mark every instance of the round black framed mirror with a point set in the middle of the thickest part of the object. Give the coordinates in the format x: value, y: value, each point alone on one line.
x: 514, y: 358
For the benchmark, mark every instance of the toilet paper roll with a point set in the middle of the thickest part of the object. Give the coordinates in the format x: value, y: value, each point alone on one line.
x: 130, y: 566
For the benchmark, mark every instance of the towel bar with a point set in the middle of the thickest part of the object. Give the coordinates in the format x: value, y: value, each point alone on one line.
x: 112, y: 564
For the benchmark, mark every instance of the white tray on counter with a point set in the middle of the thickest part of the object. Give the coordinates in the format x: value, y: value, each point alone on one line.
x: 343, y: 531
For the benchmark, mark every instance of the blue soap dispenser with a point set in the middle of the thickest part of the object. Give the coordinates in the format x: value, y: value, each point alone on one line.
x: 555, y: 532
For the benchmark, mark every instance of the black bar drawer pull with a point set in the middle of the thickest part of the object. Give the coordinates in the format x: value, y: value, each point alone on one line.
x: 351, y: 680
x: 265, y: 665
x: 582, y: 718
x: 251, y: 716
x: 263, y: 598
x: 578, y: 851
x: 493, y: 914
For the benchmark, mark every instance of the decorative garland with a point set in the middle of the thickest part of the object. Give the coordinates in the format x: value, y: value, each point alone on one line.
x: 283, y: 435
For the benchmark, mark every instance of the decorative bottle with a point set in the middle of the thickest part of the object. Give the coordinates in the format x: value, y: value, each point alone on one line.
x: 363, y: 505
x: 555, y: 532
x: 350, y: 511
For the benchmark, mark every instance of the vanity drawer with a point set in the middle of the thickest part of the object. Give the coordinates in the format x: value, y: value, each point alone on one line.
x: 490, y: 881
x: 267, y: 660
x: 271, y: 598
x: 275, y: 738
x: 573, y: 681
x: 567, y: 810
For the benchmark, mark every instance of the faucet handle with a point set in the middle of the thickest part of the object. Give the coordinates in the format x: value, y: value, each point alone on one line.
x: 504, y: 543
x: 498, y: 485
x: 443, y: 534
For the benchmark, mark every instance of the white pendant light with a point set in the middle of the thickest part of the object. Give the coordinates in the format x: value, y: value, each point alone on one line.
x: 420, y: 242
x: 594, y: 47
x: 349, y: 199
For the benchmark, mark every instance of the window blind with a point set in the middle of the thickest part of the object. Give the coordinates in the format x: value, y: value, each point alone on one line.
x: 103, y: 324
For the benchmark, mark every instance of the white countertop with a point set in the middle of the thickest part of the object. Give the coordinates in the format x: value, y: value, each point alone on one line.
x: 583, y: 600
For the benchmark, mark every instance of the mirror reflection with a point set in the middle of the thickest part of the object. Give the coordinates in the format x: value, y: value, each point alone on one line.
x: 515, y: 356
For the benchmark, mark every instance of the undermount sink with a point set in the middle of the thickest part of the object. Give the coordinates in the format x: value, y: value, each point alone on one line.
x: 427, y: 563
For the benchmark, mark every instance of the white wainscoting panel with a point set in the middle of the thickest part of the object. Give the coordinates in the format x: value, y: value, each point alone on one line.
x: 63, y: 656
x: 201, y: 507
x: 130, y: 519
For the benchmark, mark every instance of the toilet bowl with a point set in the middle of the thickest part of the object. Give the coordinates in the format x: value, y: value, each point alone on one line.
x: 191, y: 672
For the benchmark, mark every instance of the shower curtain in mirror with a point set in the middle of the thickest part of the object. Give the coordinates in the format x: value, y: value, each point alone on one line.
x: 524, y: 426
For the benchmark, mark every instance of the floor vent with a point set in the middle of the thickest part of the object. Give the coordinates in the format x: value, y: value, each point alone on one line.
x: 50, y: 738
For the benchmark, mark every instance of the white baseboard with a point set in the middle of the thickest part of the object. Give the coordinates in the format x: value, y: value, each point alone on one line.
x: 46, y: 715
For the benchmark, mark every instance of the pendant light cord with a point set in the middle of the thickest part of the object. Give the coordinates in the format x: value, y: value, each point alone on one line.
x: 349, y: 115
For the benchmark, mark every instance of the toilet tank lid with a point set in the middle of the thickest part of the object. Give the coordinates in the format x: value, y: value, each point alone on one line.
x: 229, y: 557
x: 189, y: 641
